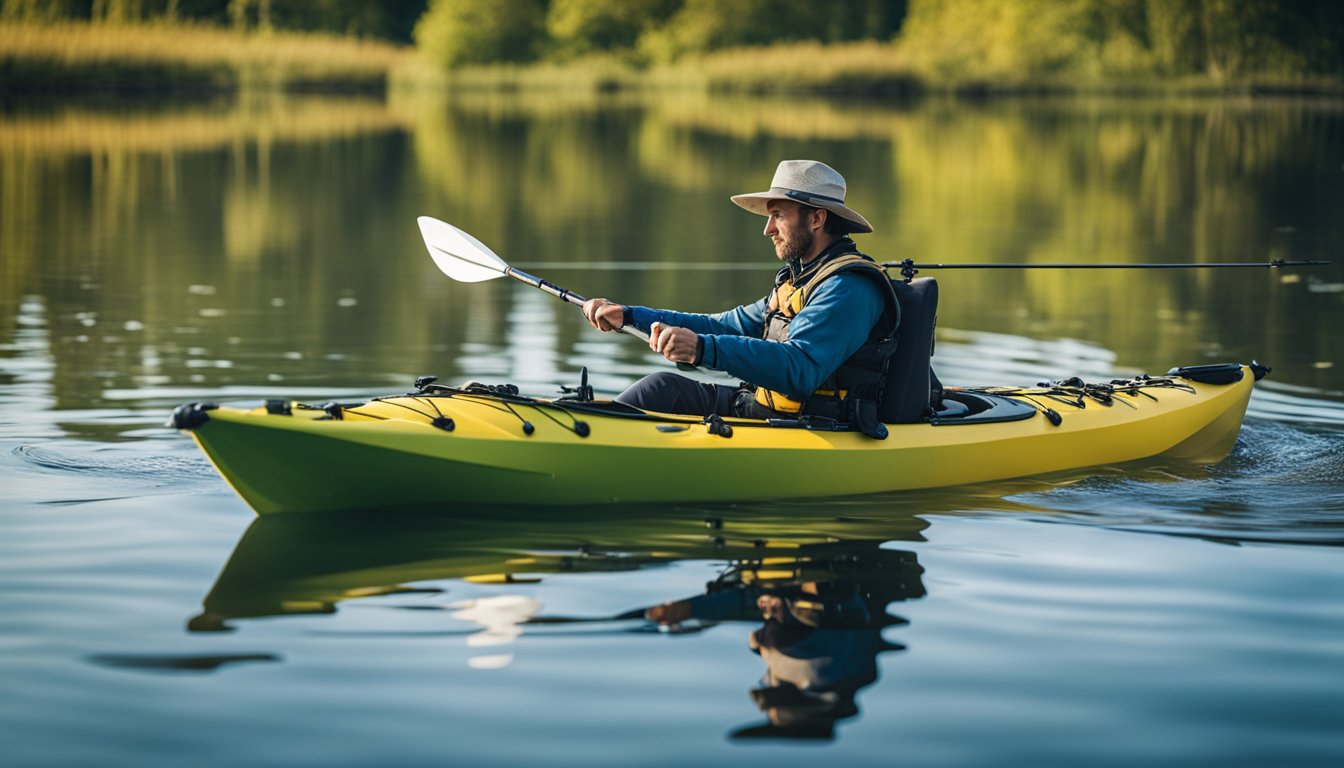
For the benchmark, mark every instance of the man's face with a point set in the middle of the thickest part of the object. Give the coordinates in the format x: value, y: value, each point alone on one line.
x: 788, y: 225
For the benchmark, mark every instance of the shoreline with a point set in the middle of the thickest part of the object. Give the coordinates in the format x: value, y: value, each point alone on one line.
x: 71, y: 61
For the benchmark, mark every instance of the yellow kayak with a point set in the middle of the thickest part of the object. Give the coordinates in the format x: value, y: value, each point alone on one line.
x: 454, y: 446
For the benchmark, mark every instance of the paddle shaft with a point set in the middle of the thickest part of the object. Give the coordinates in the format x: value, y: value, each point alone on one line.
x: 564, y: 294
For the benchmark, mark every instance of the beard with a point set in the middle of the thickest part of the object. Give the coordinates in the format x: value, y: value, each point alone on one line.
x: 796, y: 247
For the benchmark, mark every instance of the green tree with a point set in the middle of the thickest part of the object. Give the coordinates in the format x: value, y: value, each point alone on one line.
x: 205, y: 11
x: 209, y: 11
x: 1174, y: 35
x: 457, y: 32
x: 385, y: 20
x: 704, y: 25
x: 1084, y: 38
x: 245, y: 14
x: 582, y: 26
x: 1272, y: 36
x: 43, y: 10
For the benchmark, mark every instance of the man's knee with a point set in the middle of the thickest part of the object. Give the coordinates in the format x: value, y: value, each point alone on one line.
x: 649, y: 389
x: 661, y: 391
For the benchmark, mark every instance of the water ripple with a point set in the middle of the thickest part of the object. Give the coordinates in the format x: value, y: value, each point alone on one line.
x: 1282, y: 483
x: 142, y: 471
x: 1301, y: 405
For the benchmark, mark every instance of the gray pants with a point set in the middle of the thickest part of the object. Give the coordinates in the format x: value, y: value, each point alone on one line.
x: 667, y: 392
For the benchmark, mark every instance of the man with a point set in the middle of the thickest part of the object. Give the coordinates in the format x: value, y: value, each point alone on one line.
x: 817, y: 344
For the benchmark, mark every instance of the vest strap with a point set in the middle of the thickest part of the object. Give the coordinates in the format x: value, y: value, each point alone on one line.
x: 862, y: 374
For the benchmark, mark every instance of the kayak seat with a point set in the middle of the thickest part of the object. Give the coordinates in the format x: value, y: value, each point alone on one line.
x: 912, y: 390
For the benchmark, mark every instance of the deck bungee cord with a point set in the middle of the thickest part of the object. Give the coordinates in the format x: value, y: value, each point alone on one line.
x: 1073, y: 392
x: 1076, y: 393
x: 499, y: 397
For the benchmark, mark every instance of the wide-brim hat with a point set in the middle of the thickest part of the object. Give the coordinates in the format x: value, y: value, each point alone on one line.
x: 810, y: 183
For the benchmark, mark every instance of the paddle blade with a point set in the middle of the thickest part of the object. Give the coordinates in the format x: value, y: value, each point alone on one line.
x: 458, y: 254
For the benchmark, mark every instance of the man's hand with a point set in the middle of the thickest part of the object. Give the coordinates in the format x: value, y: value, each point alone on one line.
x: 604, y: 315
x: 676, y: 344
x: 771, y: 607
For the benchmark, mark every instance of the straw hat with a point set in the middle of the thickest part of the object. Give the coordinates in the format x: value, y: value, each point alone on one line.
x: 810, y: 183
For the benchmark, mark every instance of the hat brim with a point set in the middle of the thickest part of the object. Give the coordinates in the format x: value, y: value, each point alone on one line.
x: 757, y: 203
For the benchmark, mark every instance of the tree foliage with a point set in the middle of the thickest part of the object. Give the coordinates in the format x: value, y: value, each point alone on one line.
x: 699, y: 26
x: 584, y: 26
x: 1219, y: 38
x: 952, y: 38
x: 457, y: 32
x: 390, y: 20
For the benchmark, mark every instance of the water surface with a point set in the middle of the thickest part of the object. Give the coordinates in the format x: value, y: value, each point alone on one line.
x: 1155, y: 613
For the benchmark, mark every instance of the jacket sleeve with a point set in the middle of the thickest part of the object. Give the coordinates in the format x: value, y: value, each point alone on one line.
x: 835, y: 323
x: 746, y: 320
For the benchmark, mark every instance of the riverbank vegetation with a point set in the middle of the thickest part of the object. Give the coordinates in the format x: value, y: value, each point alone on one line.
x: 75, y: 57
x: 747, y: 46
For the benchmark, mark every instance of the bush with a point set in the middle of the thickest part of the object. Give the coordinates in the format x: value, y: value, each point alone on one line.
x: 457, y: 32
x: 1091, y: 40
x: 578, y: 27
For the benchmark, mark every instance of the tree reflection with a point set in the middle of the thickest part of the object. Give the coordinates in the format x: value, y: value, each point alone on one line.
x: 298, y: 215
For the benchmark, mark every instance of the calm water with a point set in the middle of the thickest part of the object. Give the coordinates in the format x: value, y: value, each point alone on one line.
x: 1154, y: 614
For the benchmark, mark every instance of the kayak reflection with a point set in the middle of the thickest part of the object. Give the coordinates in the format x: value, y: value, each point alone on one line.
x: 309, y: 564
x: 818, y: 586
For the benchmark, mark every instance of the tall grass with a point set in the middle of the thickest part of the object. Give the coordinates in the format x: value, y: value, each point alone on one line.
x: 595, y: 74
x: 75, y: 56
x: 82, y: 57
x: 866, y: 68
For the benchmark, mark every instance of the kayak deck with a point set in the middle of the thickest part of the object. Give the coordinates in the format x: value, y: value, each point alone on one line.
x: 444, y: 446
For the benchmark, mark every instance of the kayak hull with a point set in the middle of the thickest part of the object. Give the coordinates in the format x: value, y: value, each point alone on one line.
x: 389, y: 453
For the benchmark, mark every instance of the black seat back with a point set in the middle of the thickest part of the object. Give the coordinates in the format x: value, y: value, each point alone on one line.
x: 911, y: 386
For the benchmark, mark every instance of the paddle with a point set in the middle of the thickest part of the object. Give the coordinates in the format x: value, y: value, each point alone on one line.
x: 468, y: 260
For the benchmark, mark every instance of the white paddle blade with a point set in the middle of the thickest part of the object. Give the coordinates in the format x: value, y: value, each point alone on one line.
x: 458, y: 254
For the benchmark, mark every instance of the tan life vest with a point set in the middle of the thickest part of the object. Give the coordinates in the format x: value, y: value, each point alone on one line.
x: 789, y: 298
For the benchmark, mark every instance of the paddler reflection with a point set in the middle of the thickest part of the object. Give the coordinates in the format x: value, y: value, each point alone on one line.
x: 823, y: 615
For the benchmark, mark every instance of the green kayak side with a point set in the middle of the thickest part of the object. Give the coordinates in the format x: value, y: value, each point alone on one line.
x: 420, y: 451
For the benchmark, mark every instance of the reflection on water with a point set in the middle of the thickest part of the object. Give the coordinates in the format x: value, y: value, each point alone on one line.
x: 291, y: 564
x: 816, y: 588
x: 155, y: 255
x: 175, y: 664
x: 273, y: 243
x: 821, y: 611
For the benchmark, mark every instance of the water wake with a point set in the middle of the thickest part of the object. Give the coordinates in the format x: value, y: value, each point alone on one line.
x: 1282, y: 483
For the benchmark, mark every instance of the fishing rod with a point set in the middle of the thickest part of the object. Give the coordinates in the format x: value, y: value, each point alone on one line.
x: 909, y: 268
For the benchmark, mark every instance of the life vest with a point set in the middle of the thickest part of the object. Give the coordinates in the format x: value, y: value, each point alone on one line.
x: 861, y: 376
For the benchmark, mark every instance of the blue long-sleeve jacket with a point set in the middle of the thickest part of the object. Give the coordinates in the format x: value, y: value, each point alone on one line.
x: 837, y: 320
